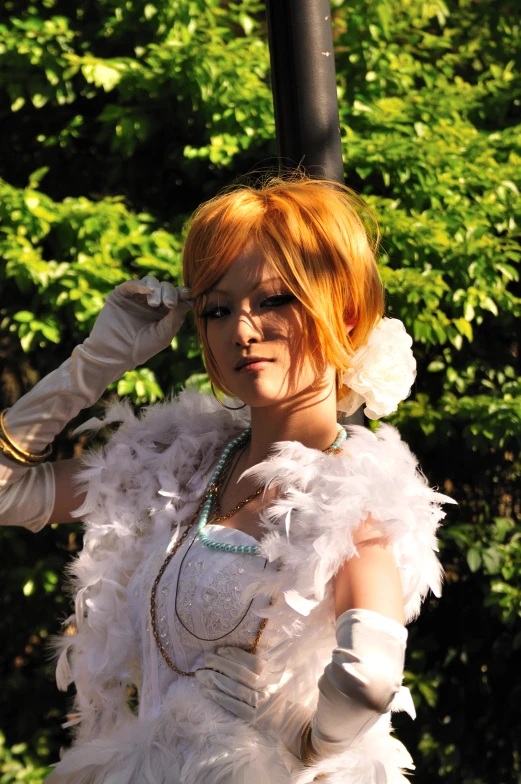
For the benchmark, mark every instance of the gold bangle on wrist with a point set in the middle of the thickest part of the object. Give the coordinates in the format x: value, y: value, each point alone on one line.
x: 11, y: 455
x: 306, y: 750
x: 15, y: 452
x: 308, y: 755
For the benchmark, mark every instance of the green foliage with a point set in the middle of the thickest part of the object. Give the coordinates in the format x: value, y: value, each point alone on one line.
x: 119, y: 119
x: 20, y: 764
x: 140, y: 385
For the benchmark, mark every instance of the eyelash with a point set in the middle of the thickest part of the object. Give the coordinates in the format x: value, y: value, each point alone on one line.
x: 210, y: 313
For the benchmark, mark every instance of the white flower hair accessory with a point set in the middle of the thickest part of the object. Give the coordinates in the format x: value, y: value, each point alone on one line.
x: 382, y: 371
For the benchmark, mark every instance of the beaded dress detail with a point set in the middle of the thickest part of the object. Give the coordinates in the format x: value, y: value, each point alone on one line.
x: 209, y: 605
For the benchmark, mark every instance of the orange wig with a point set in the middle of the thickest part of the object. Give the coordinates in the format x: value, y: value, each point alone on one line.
x: 319, y: 236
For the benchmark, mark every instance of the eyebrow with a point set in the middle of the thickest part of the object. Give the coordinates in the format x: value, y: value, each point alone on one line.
x: 254, y: 288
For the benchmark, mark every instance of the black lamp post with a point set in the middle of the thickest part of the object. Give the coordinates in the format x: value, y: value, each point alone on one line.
x: 304, y: 86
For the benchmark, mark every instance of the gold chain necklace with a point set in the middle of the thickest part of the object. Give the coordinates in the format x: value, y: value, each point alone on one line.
x: 223, y: 484
x: 170, y: 555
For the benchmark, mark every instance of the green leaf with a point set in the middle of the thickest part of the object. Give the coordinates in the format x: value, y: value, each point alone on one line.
x: 24, y: 316
x: 358, y: 106
x: 469, y: 312
x: 102, y: 75
x: 37, y: 176
x: 464, y: 327
x: 428, y: 693
x: 247, y: 23
x: 492, y: 560
x: 503, y: 526
x: 125, y: 387
x: 150, y: 11
x: 27, y: 340
x: 18, y: 104
x: 474, y: 559
x: 488, y: 304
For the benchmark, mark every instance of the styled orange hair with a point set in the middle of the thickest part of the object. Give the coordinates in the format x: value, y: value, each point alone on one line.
x: 319, y: 236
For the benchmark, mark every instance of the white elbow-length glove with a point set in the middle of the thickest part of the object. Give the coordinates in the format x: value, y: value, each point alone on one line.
x: 356, y: 688
x: 138, y: 320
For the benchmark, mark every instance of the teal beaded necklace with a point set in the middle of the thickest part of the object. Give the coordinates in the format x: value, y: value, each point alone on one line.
x: 213, y: 487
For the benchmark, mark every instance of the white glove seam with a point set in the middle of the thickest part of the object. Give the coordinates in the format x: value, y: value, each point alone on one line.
x: 334, y: 744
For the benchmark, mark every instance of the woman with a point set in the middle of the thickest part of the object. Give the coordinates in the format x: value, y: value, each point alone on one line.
x: 248, y: 566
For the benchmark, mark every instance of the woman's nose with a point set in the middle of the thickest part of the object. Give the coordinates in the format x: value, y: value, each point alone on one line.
x: 246, y: 329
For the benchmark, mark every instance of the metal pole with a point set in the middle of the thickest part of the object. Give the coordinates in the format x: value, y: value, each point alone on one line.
x: 303, y: 82
x: 304, y: 86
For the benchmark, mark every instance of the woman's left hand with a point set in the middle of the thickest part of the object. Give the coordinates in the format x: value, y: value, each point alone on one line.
x: 231, y: 681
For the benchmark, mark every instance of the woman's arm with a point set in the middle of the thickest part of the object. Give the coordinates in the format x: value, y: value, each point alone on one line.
x: 138, y: 319
x: 66, y: 500
x: 370, y: 580
x: 40, y: 495
x: 366, y: 668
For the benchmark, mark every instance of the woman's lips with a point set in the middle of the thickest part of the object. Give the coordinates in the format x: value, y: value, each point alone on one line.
x: 251, y: 366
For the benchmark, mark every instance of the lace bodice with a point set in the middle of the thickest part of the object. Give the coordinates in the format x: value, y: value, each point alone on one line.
x: 199, y: 596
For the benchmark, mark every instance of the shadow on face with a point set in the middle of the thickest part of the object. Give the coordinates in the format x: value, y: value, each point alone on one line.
x: 250, y: 313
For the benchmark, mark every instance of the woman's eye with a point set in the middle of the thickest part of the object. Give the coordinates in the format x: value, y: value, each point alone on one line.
x: 218, y: 312
x: 278, y: 299
x: 214, y: 313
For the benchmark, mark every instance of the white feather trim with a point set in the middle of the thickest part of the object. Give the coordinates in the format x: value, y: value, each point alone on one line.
x: 172, y: 748
x: 148, y: 480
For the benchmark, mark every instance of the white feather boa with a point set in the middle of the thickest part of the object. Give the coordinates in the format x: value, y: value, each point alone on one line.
x: 148, y: 479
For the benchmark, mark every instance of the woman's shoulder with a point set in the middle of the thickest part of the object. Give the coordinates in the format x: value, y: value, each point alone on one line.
x: 326, y: 498
x: 375, y: 462
x: 408, y: 510
x: 163, y: 448
x: 382, y: 451
x: 189, y: 415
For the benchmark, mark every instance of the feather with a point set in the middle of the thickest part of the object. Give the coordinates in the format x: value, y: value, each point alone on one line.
x: 57, y: 649
x: 403, y: 702
x: 147, y: 481
x: 299, y: 603
x: 288, y: 522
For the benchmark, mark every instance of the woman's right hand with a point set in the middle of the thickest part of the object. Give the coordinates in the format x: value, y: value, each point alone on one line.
x: 138, y: 320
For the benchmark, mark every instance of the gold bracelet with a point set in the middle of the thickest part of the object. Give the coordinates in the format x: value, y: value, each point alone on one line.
x: 16, y: 451
x: 306, y: 752
x: 6, y: 450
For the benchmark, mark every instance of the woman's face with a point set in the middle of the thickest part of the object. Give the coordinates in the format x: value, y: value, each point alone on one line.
x: 251, y: 314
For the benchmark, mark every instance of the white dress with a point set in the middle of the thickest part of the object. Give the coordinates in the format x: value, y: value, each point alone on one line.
x: 199, y: 607
x: 147, y: 482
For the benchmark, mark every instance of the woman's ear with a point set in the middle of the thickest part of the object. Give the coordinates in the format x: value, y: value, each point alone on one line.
x: 350, y: 323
